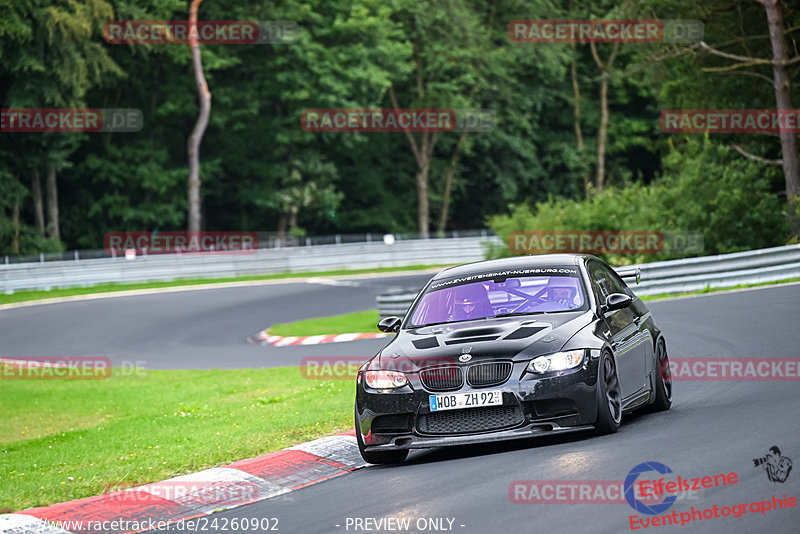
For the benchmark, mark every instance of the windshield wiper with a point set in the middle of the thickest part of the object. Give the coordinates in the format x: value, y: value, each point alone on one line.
x: 455, y: 322
x: 516, y: 314
x: 487, y: 318
x: 429, y: 324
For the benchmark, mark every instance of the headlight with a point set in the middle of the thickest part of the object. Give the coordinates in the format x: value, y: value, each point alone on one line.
x: 556, y: 362
x: 385, y: 379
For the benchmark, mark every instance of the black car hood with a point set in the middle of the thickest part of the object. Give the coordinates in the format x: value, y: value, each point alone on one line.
x: 507, y: 338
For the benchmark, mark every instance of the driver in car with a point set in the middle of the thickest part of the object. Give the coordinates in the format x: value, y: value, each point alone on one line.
x: 471, y: 302
x: 561, y: 295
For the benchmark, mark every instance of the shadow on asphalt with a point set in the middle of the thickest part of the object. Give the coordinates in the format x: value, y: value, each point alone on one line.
x: 457, y: 452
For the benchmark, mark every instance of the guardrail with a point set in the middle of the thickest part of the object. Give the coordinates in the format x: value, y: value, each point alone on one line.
x: 265, y: 240
x: 80, y: 273
x: 673, y: 276
x: 724, y: 270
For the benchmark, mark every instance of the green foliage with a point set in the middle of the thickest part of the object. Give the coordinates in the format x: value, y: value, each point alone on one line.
x: 348, y: 54
x: 705, y: 188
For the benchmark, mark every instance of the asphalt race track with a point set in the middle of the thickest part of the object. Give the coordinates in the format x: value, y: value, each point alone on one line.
x: 713, y: 427
x: 203, y: 329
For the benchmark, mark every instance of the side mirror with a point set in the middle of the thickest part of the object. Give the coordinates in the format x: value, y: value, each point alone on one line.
x: 616, y: 301
x: 390, y: 324
x: 636, y: 274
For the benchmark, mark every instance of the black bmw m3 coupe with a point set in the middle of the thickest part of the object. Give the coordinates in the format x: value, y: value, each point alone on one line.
x: 511, y: 348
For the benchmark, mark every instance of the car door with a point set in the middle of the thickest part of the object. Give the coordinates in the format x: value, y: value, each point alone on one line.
x: 627, y: 339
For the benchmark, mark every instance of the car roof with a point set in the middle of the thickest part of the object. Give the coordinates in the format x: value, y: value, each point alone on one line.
x: 515, y: 262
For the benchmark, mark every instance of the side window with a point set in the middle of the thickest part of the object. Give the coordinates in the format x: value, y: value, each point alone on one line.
x: 605, y: 281
x: 617, y: 283
x: 598, y: 282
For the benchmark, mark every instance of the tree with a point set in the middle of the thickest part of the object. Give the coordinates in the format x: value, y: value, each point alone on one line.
x: 602, y: 130
x: 298, y: 194
x: 193, y: 145
x: 742, y: 52
x: 450, y: 48
x: 782, y: 83
x: 783, y: 99
x: 49, y: 59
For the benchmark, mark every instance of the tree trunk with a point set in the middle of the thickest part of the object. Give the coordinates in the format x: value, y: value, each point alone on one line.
x: 15, y: 226
x: 293, y: 213
x: 193, y: 145
x: 282, y: 221
x: 448, y: 182
x: 576, y: 120
x: 783, y: 99
x: 576, y: 115
x: 38, y: 207
x: 52, y: 203
x: 424, y: 166
x: 423, y: 153
x: 602, y: 131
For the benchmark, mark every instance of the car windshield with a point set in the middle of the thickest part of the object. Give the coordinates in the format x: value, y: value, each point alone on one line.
x: 486, y: 299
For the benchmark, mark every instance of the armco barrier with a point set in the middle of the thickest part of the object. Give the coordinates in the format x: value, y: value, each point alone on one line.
x: 673, y: 276
x: 725, y: 270
x: 676, y: 276
x: 60, y: 274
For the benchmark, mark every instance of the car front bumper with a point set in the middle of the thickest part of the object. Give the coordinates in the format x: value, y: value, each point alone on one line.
x: 561, y: 402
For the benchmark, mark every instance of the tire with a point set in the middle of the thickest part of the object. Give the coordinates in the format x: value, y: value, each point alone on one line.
x: 609, y: 402
x: 378, y: 457
x: 663, y: 391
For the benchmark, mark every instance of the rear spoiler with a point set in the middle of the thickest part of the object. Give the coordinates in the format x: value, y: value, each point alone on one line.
x: 635, y: 273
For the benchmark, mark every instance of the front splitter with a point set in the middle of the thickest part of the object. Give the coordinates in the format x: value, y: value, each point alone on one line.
x: 412, y: 441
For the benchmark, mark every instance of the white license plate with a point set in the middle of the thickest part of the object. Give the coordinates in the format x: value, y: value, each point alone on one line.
x: 457, y: 401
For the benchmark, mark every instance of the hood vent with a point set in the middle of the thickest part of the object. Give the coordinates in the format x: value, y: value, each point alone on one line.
x: 426, y: 343
x: 470, y: 340
x: 475, y: 332
x: 525, y: 331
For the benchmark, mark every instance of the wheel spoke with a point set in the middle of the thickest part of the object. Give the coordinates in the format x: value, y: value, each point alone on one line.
x: 612, y: 390
x: 666, y: 374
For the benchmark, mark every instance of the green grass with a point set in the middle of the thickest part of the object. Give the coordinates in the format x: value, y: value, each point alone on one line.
x: 68, y: 439
x: 708, y: 289
x: 347, y: 323
x: 23, y: 296
x: 125, y: 431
